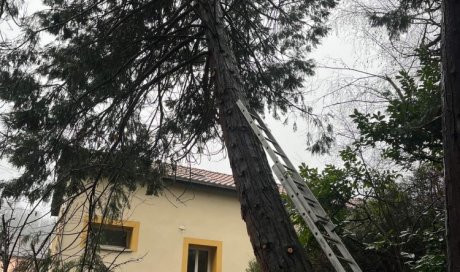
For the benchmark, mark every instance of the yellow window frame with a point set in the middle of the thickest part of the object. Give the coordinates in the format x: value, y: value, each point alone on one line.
x: 216, y: 246
x: 133, y: 225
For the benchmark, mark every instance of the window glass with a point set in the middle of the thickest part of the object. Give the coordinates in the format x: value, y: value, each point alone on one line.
x: 112, y: 236
x: 198, y: 260
x: 203, y: 261
x: 191, y: 260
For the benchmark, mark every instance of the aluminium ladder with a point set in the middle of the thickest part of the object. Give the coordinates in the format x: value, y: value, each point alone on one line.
x: 305, y: 202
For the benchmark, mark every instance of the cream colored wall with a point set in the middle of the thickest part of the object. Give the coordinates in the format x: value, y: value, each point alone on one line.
x: 181, y: 211
x: 14, y: 263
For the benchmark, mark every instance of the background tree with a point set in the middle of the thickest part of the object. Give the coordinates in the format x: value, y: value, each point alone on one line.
x: 389, y: 222
x: 410, y: 126
x: 449, y: 56
x: 387, y: 197
x: 389, y: 208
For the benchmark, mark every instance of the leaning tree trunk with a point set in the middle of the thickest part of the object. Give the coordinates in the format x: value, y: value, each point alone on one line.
x: 272, y: 235
x: 451, y: 126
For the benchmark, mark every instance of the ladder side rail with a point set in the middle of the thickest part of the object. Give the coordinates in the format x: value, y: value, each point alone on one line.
x: 276, y: 158
x: 293, y: 193
x: 330, y: 254
x: 295, y: 176
x: 260, y: 135
x: 306, y: 191
x: 307, y: 212
x: 277, y: 146
x: 343, y: 250
x: 320, y: 211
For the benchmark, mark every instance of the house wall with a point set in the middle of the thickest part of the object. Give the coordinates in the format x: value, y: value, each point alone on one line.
x: 14, y: 263
x: 179, y: 213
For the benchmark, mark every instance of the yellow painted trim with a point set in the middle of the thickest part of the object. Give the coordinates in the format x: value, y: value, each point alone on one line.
x: 134, y: 225
x: 216, y: 245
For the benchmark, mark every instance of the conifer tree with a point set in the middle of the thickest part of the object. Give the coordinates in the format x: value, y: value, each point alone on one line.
x: 126, y: 84
x: 450, y: 58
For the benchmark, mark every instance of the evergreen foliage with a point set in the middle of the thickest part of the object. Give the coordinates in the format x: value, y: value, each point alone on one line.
x: 128, y: 83
x: 126, y: 88
x: 253, y: 267
x: 401, y: 14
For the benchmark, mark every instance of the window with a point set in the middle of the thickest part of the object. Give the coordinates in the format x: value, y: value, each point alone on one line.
x: 199, y: 259
x: 116, y: 235
x: 202, y: 255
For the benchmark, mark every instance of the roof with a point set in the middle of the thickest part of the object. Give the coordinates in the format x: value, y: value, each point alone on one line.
x: 203, y: 177
x: 207, y: 178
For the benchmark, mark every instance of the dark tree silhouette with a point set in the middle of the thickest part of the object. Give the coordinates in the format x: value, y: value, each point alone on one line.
x: 129, y: 83
x: 451, y: 126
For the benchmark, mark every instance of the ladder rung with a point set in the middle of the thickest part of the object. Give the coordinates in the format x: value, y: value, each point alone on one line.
x: 254, y: 116
x: 279, y: 154
x: 309, y: 215
x: 332, y: 239
x: 302, y: 189
x: 322, y: 218
x: 262, y: 128
x: 290, y: 169
x: 332, y: 226
x: 309, y: 199
x: 312, y: 202
x: 299, y: 184
x: 304, y: 200
x: 271, y: 141
x: 344, y: 259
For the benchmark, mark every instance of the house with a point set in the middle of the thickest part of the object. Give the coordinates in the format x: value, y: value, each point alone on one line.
x: 194, y: 225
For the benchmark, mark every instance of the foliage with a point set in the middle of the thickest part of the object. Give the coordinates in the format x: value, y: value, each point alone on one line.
x: 401, y: 14
x: 410, y: 128
x: 390, y: 219
x: 128, y: 83
x: 253, y: 266
x: 124, y: 88
x: 389, y: 222
x: 333, y: 189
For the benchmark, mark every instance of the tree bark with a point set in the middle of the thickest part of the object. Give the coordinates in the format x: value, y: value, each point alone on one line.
x: 450, y: 42
x: 272, y: 235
